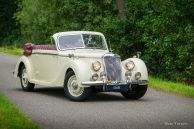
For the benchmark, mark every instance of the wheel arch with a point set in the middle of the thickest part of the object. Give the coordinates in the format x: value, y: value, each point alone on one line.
x: 79, y: 68
x: 68, y: 70
x: 19, y: 68
x: 23, y: 61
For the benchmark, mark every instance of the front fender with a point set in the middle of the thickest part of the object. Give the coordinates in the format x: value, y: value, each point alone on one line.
x: 81, y: 68
x: 23, y: 60
x: 139, y: 67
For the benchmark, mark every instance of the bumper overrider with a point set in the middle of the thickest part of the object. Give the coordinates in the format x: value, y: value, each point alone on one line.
x: 115, y: 86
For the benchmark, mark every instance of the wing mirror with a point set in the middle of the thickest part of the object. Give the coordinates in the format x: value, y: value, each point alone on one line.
x: 137, y: 55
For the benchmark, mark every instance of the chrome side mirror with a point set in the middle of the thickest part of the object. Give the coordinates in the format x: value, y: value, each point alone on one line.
x: 137, y: 55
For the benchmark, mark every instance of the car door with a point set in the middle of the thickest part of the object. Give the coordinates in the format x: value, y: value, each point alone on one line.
x: 47, y: 68
x: 45, y: 64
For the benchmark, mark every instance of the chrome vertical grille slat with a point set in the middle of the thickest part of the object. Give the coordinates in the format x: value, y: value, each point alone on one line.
x: 112, y: 64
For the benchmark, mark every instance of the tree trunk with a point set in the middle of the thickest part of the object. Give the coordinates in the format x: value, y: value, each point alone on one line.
x: 121, y: 7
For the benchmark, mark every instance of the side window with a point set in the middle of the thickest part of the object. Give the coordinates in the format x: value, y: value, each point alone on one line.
x: 70, y: 41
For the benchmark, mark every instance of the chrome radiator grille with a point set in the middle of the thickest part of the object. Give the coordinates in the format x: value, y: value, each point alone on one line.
x: 112, y: 65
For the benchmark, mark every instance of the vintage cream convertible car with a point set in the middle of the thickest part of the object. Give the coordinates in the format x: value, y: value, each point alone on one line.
x: 81, y: 62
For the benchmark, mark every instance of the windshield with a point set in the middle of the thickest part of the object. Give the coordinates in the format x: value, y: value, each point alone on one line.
x: 81, y: 41
x: 94, y: 41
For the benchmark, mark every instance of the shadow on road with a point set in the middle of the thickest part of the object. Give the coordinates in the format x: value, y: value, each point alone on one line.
x: 95, y: 97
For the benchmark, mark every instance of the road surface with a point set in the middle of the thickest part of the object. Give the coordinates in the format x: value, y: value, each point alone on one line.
x: 50, y: 108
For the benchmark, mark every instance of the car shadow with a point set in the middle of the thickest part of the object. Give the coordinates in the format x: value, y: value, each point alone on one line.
x: 95, y: 97
x: 59, y: 92
x: 47, y: 91
x: 110, y: 97
x: 51, y: 91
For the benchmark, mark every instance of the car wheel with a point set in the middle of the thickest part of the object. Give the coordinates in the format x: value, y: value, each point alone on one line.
x: 137, y: 92
x: 73, y: 90
x: 26, y: 85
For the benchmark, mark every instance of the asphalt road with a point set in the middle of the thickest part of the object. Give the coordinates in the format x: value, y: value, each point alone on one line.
x: 51, y: 109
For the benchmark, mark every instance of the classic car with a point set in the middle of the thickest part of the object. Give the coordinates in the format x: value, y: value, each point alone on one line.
x: 82, y: 63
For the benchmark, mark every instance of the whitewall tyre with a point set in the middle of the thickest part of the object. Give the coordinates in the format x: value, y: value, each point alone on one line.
x: 26, y: 85
x: 73, y: 90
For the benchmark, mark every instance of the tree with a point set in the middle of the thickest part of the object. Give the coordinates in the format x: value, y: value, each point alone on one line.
x: 8, y: 25
x: 121, y: 7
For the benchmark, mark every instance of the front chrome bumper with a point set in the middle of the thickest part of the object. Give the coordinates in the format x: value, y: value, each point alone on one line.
x: 102, y: 83
x: 109, y: 86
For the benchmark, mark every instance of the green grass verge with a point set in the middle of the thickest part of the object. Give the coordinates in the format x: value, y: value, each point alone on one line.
x: 12, y: 118
x: 11, y: 50
x: 171, y: 87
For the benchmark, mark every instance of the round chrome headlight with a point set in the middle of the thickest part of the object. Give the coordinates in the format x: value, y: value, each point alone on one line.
x: 96, y: 66
x: 130, y: 65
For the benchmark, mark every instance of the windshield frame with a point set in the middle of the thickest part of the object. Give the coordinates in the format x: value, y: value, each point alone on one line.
x: 84, y: 46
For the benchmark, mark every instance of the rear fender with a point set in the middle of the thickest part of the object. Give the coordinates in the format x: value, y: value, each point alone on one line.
x: 26, y: 62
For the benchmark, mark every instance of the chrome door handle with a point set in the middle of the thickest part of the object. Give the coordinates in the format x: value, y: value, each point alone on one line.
x: 71, y: 55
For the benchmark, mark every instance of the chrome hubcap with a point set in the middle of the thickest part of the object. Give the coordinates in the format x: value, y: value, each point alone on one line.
x: 74, y: 89
x: 24, y: 78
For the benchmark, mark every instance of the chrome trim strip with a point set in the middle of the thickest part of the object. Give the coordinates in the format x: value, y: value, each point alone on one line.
x: 91, y: 83
x: 44, y: 53
x: 101, y: 83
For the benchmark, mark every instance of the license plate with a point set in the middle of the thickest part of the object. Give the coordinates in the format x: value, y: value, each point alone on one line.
x: 118, y: 88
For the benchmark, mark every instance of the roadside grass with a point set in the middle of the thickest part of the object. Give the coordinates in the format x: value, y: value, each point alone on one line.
x: 12, y: 118
x: 171, y: 87
x: 11, y: 50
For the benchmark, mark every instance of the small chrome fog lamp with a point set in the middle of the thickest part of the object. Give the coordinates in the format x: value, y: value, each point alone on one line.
x: 128, y: 75
x: 137, y: 75
x: 103, y: 75
x: 95, y: 77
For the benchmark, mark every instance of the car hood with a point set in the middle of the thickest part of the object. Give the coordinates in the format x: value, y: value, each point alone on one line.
x: 86, y: 53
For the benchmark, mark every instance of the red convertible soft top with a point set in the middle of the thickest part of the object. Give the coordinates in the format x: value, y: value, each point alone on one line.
x: 28, y: 47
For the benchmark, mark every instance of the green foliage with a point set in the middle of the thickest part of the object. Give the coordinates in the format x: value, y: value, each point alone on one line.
x: 168, y: 37
x: 43, y: 18
x: 163, y: 30
x: 8, y: 26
